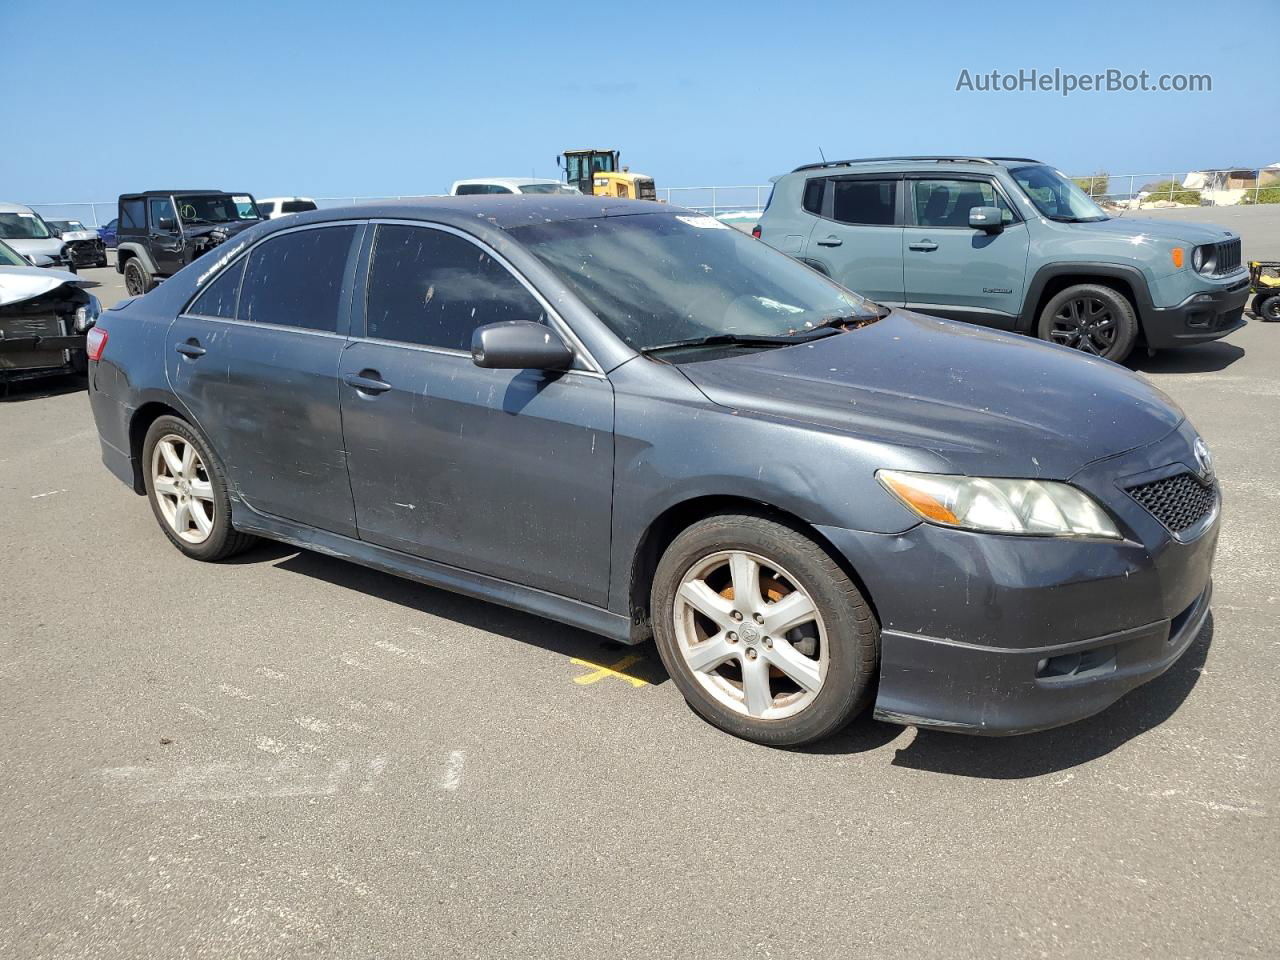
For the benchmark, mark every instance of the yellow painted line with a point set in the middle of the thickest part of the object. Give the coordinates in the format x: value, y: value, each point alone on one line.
x: 599, y: 671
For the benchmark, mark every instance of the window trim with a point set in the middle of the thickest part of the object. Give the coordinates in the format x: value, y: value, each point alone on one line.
x: 344, y: 300
x: 829, y: 200
x: 554, y: 319
x: 979, y: 177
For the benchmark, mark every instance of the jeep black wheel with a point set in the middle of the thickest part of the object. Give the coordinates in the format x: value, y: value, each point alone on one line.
x: 1268, y: 307
x: 1092, y: 319
x: 137, y: 278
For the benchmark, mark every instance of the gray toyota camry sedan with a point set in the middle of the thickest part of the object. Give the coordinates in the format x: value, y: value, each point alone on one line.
x: 636, y: 421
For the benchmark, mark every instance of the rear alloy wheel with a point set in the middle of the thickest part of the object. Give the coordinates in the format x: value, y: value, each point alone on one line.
x: 188, y: 492
x: 762, y: 631
x: 1268, y: 307
x: 1092, y: 319
x: 137, y: 278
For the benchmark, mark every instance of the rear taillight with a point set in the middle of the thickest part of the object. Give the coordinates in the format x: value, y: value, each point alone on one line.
x: 95, y: 341
x: 755, y: 231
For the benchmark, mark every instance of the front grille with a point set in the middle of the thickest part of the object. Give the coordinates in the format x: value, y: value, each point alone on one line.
x: 1179, y: 502
x: 31, y: 325
x: 1226, y: 257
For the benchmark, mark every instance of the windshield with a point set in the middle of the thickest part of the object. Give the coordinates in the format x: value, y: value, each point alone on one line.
x: 215, y: 208
x: 547, y: 188
x: 662, y: 278
x: 1055, y: 196
x: 10, y: 258
x: 22, y: 226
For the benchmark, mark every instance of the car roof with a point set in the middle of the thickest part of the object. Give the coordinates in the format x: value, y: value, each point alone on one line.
x: 504, y: 211
x: 14, y: 208
x: 167, y: 193
x: 904, y: 164
x: 283, y: 199
x: 507, y: 181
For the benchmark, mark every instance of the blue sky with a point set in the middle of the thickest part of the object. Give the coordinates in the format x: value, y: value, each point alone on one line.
x: 401, y: 98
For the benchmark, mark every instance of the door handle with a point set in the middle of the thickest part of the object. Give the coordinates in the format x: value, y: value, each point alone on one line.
x: 830, y: 242
x: 923, y: 245
x: 367, y: 381
x: 191, y: 348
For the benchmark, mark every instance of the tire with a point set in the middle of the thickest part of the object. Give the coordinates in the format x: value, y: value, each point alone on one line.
x: 1091, y: 318
x: 205, y: 491
x: 1267, y: 307
x: 71, y: 266
x: 839, y: 643
x: 101, y: 263
x: 137, y: 278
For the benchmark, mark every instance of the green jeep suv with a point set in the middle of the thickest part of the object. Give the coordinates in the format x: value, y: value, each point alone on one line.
x: 1010, y: 243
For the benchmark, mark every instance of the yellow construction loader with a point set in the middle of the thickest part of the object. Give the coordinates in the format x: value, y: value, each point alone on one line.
x: 598, y: 173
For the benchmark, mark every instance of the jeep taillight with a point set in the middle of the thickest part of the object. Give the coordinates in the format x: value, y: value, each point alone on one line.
x: 755, y: 231
x: 95, y: 341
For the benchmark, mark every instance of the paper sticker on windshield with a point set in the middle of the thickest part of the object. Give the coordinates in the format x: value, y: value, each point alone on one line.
x: 706, y: 223
x: 240, y: 199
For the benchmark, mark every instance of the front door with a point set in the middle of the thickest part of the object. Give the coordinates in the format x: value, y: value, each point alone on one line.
x: 502, y: 472
x: 955, y: 271
x: 256, y: 359
x: 857, y: 239
x: 164, y: 235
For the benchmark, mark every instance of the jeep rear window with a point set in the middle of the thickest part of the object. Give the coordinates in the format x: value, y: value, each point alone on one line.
x: 132, y: 215
x: 865, y: 201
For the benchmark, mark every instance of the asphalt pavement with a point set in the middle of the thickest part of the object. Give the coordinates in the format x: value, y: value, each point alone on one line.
x: 288, y: 755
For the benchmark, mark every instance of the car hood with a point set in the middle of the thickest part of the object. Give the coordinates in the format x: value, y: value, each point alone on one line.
x: 49, y: 247
x: 989, y: 403
x: 1173, y: 230
x: 24, y: 283
x: 78, y: 235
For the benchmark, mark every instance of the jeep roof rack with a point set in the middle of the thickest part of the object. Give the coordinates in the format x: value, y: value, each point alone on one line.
x: 923, y: 159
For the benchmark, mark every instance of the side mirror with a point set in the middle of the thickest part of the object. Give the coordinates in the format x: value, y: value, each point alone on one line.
x: 167, y: 223
x: 989, y: 219
x: 519, y: 345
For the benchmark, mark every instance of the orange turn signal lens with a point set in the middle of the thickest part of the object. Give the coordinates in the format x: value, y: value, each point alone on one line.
x: 919, y: 500
x: 1177, y: 257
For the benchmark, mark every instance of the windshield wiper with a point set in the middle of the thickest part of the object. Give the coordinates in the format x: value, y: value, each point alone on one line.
x: 741, y: 339
x: 851, y: 320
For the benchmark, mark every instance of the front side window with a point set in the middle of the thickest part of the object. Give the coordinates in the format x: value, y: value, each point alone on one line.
x: 865, y: 201
x: 297, y: 206
x: 295, y: 280
x: 659, y: 278
x: 219, y: 298
x: 553, y: 188
x: 22, y: 226
x: 267, y: 207
x: 1055, y: 196
x: 162, y: 209
x: 433, y: 288
x: 946, y: 203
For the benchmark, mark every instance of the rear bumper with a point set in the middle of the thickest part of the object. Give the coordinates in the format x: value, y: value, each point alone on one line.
x: 967, y: 688
x: 1207, y: 315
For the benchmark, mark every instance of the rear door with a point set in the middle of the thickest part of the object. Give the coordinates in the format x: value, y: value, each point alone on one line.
x: 502, y: 472
x: 255, y: 359
x: 953, y: 270
x: 857, y: 238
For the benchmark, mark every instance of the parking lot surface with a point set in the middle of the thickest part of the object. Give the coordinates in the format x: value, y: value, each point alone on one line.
x: 288, y: 755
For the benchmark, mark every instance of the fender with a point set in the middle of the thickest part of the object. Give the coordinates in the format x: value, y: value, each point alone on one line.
x: 138, y: 250
x: 1134, y: 277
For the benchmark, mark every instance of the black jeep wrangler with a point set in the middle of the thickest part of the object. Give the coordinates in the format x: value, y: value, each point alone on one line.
x: 161, y: 231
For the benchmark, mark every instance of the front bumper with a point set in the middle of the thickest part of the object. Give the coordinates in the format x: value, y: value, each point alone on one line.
x: 86, y: 253
x: 1206, y: 315
x: 990, y: 634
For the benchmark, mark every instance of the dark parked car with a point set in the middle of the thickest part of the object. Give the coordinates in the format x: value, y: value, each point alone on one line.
x: 107, y: 234
x: 640, y: 422
x: 44, y: 314
x: 84, y: 247
x: 161, y: 231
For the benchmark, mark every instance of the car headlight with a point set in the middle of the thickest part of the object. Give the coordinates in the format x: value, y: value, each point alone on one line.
x: 1203, y: 259
x: 1038, y: 508
x: 87, y: 315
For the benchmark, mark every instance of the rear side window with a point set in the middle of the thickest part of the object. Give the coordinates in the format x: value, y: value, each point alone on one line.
x: 219, y: 298
x: 813, y: 195
x: 295, y: 280
x: 296, y: 206
x: 132, y: 215
x: 433, y: 288
x: 865, y: 201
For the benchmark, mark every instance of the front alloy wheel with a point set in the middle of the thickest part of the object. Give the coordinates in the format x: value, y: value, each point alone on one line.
x: 1085, y: 323
x: 751, y: 635
x: 182, y: 488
